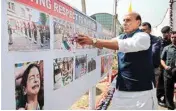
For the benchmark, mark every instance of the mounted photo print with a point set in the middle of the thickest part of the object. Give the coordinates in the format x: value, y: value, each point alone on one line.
x: 29, y: 89
x: 80, y: 66
x: 91, y: 61
x: 63, y: 72
x: 28, y: 28
x: 63, y: 34
x: 102, y: 66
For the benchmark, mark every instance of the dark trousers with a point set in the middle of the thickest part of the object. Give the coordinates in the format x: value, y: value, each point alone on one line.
x: 30, y: 33
x: 35, y: 35
x: 160, y: 86
x: 42, y: 37
x: 169, y: 80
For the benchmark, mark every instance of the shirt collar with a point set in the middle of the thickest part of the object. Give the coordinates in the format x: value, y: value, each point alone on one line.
x: 172, y: 45
x: 132, y: 33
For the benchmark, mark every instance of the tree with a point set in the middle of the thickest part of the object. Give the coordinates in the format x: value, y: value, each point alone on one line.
x: 43, y: 18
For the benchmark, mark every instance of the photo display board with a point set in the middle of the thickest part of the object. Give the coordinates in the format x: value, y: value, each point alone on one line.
x: 41, y: 60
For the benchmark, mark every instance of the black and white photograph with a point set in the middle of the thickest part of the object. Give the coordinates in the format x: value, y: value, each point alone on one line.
x: 91, y: 63
x: 28, y: 29
x: 63, y: 72
x: 80, y: 66
x: 63, y: 34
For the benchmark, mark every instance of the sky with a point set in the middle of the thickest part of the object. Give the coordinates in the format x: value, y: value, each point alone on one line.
x: 151, y: 11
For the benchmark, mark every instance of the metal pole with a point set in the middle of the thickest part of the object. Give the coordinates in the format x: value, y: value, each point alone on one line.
x: 92, y: 95
x: 83, y: 2
x: 92, y: 90
x: 115, y: 17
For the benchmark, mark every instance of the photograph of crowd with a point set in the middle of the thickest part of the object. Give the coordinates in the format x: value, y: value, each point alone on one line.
x: 91, y: 64
x: 80, y: 66
x: 63, y: 34
x: 28, y: 29
x: 63, y: 72
x: 29, y: 89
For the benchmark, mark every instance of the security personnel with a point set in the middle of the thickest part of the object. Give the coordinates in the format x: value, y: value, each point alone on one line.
x: 165, y: 41
x: 156, y: 47
x: 168, y: 61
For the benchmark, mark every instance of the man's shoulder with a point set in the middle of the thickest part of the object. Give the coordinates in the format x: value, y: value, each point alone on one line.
x: 155, y: 38
x: 168, y: 47
x: 141, y: 34
x: 121, y: 36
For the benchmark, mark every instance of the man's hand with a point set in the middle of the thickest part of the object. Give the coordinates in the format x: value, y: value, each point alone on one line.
x: 84, y: 40
x: 167, y: 68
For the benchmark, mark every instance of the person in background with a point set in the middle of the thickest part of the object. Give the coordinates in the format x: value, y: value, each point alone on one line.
x: 165, y: 41
x: 10, y: 34
x: 156, y: 47
x: 135, y: 83
x: 168, y: 61
x: 35, y: 33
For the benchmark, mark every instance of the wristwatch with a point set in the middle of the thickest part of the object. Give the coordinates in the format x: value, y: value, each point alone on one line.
x: 94, y: 40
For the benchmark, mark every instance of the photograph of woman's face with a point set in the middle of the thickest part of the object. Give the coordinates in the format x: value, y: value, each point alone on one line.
x: 33, y: 82
x: 29, y: 85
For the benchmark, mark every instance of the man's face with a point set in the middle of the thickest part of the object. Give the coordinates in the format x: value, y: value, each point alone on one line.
x: 173, y: 38
x: 130, y: 23
x: 145, y: 29
x: 166, y: 35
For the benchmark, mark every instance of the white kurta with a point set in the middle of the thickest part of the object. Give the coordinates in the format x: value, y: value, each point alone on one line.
x: 139, y: 100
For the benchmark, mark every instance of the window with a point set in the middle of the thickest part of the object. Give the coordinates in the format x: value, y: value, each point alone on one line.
x: 22, y: 12
x: 11, y: 6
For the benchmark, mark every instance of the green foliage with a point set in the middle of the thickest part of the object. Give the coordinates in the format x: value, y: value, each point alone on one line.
x: 43, y: 18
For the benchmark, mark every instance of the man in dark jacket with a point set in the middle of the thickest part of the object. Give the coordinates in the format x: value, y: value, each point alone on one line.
x: 156, y: 46
x: 165, y: 41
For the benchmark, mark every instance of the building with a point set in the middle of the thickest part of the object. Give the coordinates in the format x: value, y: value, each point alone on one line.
x: 106, y: 20
x: 17, y: 15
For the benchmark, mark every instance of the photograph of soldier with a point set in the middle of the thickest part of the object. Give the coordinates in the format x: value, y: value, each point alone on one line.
x: 63, y: 34
x: 28, y: 29
x: 80, y: 66
x: 29, y: 89
x: 102, y: 66
x: 63, y: 72
x: 91, y: 64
